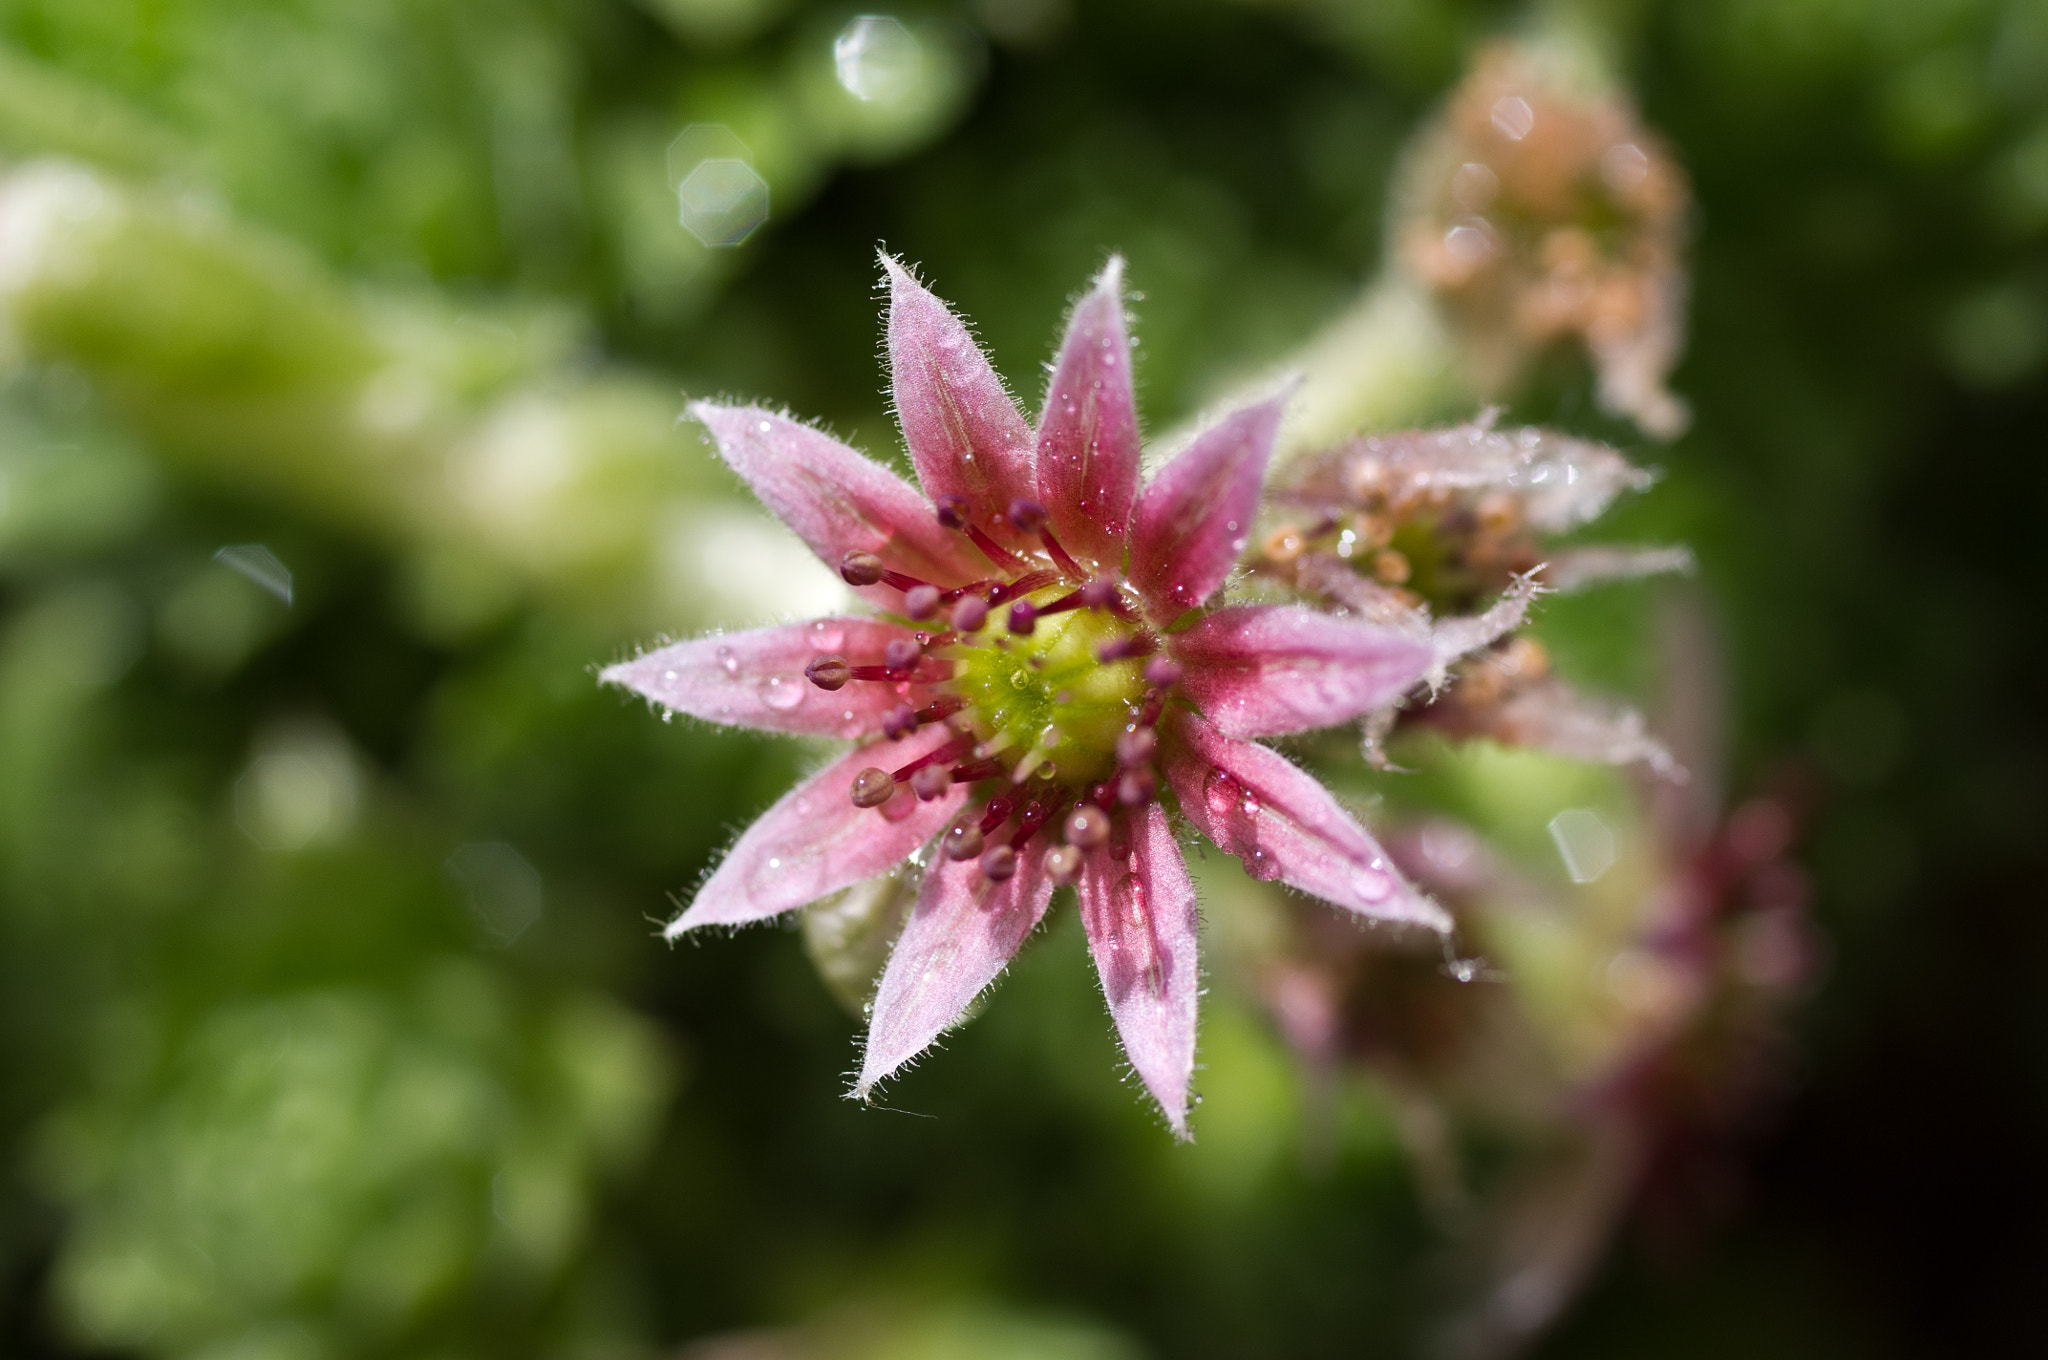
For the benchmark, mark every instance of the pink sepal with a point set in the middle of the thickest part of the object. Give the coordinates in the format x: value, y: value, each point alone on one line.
x: 815, y: 841
x: 756, y: 679
x: 960, y: 935
x: 1262, y: 670
x: 838, y: 500
x: 1193, y: 518
x: 1088, y: 448
x: 1140, y: 918
x: 966, y: 436
x: 1255, y: 804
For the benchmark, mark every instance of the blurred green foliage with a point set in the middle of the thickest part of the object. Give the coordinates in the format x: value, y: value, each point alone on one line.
x: 332, y: 1015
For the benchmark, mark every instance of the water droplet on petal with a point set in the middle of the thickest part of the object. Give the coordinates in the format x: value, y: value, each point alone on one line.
x: 827, y: 636
x: 781, y: 694
x: 1371, y: 885
x: 1130, y: 901
x: 1219, y: 790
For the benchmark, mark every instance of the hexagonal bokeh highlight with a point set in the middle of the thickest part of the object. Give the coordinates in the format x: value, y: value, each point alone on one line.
x: 722, y: 201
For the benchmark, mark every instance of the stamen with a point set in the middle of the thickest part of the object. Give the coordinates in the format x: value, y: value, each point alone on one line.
x: 902, y: 654
x: 1135, y: 788
x: 1101, y: 593
x: 872, y: 788
x: 1023, y: 585
x: 1126, y: 649
x: 1027, y: 516
x: 927, y: 672
x: 1135, y: 747
x: 1085, y: 827
x: 953, y: 512
x: 859, y: 568
x: 970, y: 614
x: 939, y: 757
x: 998, y: 862
x: 994, y: 551
x: 1103, y: 796
x: 976, y: 771
x: 1063, y: 865
x: 921, y: 601
x: 899, y: 722
x: 995, y: 814
x: 1059, y: 555
x: 1070, y: 600
x: 1023, y: 617
x: 828, y: 672
x: 1162, y: 672
x: 963, y: 841
x: 1034, y: 816
x: 930, y: 782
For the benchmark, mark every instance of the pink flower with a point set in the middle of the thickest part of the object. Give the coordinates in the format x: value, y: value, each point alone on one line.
x: 1046, y: 686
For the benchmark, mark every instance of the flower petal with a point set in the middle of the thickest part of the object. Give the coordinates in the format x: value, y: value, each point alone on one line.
x: 837, y: 499
x: 966, y: 436
x: 961, y: 934
x: 1140, y: 919
x: 1192, y: 519
x: 1261, y: 670
x: 1255, y: 804
x: 756, y: 679
x: 1088, y: 446
x: 815, y: 841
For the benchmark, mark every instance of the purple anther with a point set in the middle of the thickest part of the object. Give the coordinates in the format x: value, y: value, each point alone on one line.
x: 953, y: 512
x: 998, y: 862
x: 1027, y: 516
x: 1136, y: 746
x: 1099, y: 593
x: 1135, y: 788
x: 921, y: 602
x: 970, y: 614
x: 901, y: 654
x: 899, y: 722
x: 1023, y: 618
x: 1085, y: 827
x: 1162, y: 671
x: 1063, y: 864
x: 930, y: 782
x: 872, y: 788
x: 859, y: 568
x: 828, y: 672
x: 963, y: 841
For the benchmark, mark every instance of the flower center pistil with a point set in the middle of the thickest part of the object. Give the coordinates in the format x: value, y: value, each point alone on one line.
x: 1051, y: 689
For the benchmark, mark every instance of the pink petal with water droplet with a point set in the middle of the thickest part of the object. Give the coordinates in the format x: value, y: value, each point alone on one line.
x: 815, y: 841
x: 1140, y: 918
x: 1261, y: 670
x: 1194, y: 517
x: 1255, y: 804
x: 1088, y: 446
x: 756, y: 679
x: 966, y: 436
x: 960, y: 935
x: 837, y: 500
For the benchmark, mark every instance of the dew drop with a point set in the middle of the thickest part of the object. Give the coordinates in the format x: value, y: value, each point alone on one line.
x: 1020, y: 679
x: 1371, y: 885
x: 1250, y: 805
x: 727, y: 662
x: 774, y: 862
x: 780, y: 694
x: 668, y: 677
x: 1130, y: 899
x: 1219, y: 790
x: 827, y: 636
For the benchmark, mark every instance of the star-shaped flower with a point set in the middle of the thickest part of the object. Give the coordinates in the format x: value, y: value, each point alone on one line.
x: 1047, y: 691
